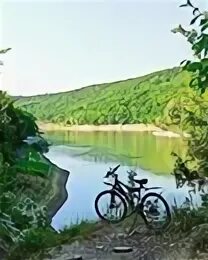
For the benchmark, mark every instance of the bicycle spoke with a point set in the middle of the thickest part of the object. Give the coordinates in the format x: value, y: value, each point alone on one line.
x: 111, y: 207
x: 156, y: 211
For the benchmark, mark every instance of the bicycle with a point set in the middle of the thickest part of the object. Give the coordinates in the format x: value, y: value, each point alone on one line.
x: 148, y: 210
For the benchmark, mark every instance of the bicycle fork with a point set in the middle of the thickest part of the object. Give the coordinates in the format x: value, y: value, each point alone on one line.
x: 112, y: 201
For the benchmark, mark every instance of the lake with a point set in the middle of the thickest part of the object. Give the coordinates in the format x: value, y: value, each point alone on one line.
x: 88, y: 155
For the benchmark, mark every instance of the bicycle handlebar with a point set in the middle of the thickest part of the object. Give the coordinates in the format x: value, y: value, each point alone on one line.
x: 112, y: 171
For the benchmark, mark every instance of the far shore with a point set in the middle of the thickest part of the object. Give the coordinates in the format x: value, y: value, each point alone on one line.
x: 102, y: 128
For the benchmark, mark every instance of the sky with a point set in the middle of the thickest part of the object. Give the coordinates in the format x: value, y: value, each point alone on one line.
x: 63, y: 45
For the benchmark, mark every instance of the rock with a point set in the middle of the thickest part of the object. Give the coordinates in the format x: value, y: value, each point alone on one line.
x: 112, y: 236
x: 109, y: 240
x: 122, y: 249
x: 100, y: 247
x: 76, y: 257
x: 75, y: 244
x: 121, y: 235
x: 173, y: 244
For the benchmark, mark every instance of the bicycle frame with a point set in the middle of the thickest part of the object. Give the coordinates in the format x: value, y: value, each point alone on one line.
x: 126, y: 194
x: 118, y: 187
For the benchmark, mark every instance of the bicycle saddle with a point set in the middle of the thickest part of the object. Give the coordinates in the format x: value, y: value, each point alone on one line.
x: 142, y: 181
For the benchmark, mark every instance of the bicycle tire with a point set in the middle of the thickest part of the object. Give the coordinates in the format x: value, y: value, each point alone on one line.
x: 153, y: 194
x: 115, y: 194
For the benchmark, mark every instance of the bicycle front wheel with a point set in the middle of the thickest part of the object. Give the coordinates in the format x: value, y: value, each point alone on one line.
x: 155, y: 211
x: 110, y: 206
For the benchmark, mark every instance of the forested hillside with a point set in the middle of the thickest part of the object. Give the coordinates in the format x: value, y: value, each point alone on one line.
x: 146, y: 99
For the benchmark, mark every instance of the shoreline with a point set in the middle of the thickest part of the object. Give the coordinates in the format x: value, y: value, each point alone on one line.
x: 157, y: 131
x: 59, y: 180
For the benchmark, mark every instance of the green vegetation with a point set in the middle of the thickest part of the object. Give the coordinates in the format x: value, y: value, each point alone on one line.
x: 174, y: 99
x: 19, y: 210
x: 27, y: 189
x: 23, y: 174
x: 162, y: 98
x: 195, y: 117
x: 146, y: 99
x: 38, y: 239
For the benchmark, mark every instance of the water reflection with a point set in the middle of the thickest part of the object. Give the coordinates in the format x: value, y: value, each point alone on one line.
x: 88, y: 156
x: 86, y: 181
x: 143, y: 150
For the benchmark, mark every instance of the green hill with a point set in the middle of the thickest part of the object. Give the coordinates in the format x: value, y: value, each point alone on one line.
x: 146, y: 99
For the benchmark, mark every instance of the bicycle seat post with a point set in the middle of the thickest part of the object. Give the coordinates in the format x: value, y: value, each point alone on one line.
x: 116, y: 177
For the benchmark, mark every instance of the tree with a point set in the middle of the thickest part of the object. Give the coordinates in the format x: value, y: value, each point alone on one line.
x: 196, y: 120
x: 198, y: 38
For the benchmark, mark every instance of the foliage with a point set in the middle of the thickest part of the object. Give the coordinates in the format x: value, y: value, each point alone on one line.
x: 139, y: 100
x: 39, y: 239
x: 3, y: 51
x: 186, y: 217
x: 162, y: 98
x: 18, y: 212
x: 15, y: 126
x: 198, y: 38
x: 18, y: 216
x: 191, y: 112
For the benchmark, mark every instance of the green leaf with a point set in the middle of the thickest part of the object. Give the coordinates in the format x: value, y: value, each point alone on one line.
x: 203, y: 90
x: 5, y: 50
x: 194, y: 66
x: 185, y: 66
x: 193, y: 83
x: 182, y: 62
x: 203, y: 21
x: 204, y: 27
x: 194, y: 20
x: 205, y: 61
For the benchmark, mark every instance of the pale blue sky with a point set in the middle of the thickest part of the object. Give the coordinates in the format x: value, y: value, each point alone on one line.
x: 63, y: 45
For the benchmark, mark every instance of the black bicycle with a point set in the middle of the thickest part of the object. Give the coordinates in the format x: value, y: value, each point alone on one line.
x: 152, y: 207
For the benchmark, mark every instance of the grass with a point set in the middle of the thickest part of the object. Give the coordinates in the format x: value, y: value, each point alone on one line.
x: 33, y: 167
x: 38, y: 240
x: 31, y: 162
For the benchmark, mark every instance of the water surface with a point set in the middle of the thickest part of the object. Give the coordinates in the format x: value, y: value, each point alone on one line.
x: 88, y: 155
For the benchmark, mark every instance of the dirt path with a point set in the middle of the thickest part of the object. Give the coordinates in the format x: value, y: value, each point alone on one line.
x: 145, y: 245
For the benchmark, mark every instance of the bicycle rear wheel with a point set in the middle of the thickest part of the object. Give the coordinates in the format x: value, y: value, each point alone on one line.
x: 110, y: 206
x: 155, y: 211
